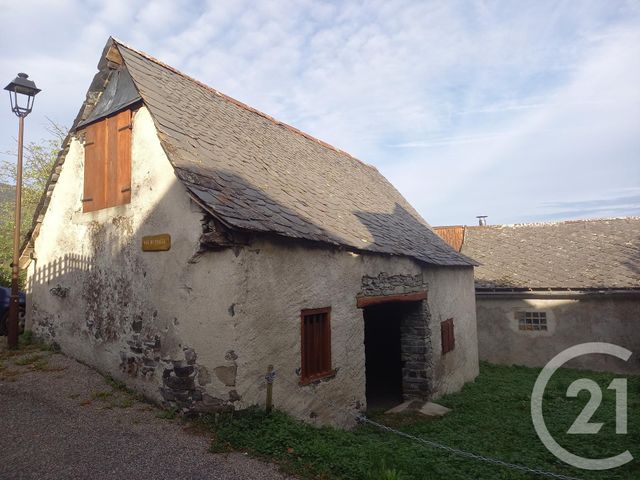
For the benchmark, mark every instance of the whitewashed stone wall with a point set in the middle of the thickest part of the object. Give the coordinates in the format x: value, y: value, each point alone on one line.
x: 570, y: 321
x: 198, y: 329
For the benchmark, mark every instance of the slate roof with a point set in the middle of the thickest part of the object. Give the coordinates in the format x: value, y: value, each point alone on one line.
x: 255, y: 173
x: 577, y: 255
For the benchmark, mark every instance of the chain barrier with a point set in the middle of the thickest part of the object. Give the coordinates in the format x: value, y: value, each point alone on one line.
x: 363, y: 419
x: 463, y: 453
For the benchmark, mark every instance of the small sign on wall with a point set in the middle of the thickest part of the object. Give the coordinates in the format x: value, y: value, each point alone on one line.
x: 156, y: 243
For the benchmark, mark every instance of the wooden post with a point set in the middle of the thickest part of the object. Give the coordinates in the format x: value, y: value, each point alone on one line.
x: 269, y: 377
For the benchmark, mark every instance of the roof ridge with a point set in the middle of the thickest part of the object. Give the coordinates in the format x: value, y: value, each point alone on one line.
x: 555, y: 222
x: 242, y: 104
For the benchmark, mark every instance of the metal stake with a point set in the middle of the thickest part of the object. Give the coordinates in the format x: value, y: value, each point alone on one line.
x: 269, y: 377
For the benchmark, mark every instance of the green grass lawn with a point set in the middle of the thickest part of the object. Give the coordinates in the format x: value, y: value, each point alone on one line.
x: 490, y: 417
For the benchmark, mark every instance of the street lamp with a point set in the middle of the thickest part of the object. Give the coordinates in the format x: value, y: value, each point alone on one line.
x: 21, y: 92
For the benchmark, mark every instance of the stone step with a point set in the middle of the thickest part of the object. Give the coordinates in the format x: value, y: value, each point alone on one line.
x: 429, y: 409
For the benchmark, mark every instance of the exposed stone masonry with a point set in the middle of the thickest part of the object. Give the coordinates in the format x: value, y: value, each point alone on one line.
x: 385, y: 284
x: 415, y: 350
x: 415, y: 335
x: 183, y: 383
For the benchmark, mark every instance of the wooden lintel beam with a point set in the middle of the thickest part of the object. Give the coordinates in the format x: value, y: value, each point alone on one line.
x: 363, y: 302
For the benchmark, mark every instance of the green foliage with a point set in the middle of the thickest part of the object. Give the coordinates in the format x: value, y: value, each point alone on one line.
x: 382, y: 472
x: 28, y: 360
x: 28, y: 341
x: 490, y: 416
x: 116, y: 384
x: 127, y: 397
x: 103, y: 395
x: 26, y: 338
x: 169, y: 414
x: 39, y: 158
x: 123, y: 401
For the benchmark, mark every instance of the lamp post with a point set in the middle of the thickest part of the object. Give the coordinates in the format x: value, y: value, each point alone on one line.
x: 21, y: 92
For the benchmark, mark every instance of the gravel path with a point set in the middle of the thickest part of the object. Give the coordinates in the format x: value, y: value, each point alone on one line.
x: 61, y: 420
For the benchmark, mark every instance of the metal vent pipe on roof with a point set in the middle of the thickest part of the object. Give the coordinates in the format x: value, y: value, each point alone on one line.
x: 482, y: 220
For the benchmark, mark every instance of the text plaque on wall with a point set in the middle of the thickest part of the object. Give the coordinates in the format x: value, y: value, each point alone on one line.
x: 156, y: 243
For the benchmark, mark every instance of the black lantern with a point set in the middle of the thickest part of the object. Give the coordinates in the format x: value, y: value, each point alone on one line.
x: 22, y: 91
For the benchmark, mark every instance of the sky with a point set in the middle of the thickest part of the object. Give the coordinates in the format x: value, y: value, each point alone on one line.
x: 525, y: 111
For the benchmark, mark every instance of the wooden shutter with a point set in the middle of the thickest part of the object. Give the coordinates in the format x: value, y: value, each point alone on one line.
x: 316, y: 344
x: 123, y: 155
x: 111, y: 166
x: 94, y: 197
x: 107, y: 162
x: 447, y: 335
x: 118, y: 166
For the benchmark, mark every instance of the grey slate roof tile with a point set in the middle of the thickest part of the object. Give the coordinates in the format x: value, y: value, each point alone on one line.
x: 256, y: 173
x: 585, y: 254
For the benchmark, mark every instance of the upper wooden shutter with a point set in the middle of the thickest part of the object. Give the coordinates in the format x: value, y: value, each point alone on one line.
x: 94, y: 197
x: 123, y: 157
x: 111, y: 165
x: 107, y: 164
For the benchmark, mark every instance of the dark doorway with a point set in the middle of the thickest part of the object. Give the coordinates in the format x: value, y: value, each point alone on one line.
x: 383, y: 363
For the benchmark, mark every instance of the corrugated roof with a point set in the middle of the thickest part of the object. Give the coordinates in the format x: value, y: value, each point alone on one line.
x: 583, y: 254
x: 255, y: 173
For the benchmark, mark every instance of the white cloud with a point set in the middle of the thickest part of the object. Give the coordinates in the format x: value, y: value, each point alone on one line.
x: 465, y: 106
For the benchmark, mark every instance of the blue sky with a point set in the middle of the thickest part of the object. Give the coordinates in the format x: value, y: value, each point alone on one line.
x: 520, y: 110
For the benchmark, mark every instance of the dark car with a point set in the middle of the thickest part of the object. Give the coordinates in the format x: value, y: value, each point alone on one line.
x: 5, y: 297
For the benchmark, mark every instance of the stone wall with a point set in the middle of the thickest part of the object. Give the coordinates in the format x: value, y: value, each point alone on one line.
x: 452, y: 296
x: 196, y: 329
x: 415, y: 334
x: 95, y: 293
x: 387, y: 284
x: 613, y: 319
x: 416, y: 350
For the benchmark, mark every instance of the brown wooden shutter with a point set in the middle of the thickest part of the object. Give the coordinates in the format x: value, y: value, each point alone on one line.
x: 315, y: 344
x: 118, y: 160
x: 111, y: 166
x: 107, y: 163
x: 123, y: 155
x: 94, y: 179
x: 447, y: 336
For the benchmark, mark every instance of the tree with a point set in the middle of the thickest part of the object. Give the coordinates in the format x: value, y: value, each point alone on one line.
x: 39, y: 158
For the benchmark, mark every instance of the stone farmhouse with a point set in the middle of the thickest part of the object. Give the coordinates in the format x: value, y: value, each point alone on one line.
x: 541, y: 288
x: 187, y: 241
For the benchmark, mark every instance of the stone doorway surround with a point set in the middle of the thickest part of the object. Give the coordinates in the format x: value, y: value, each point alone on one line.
x: 409, y: 294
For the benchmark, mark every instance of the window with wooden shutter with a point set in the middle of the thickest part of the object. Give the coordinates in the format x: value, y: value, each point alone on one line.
x: 107, y: 162
x: 316, y: 344
x: 447, y: 336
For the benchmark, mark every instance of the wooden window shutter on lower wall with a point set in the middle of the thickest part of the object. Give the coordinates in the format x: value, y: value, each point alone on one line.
x: 316, y: 344
x: 447, y: 336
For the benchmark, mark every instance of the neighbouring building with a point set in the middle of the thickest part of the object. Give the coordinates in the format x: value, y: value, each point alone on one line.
x: 187, y: 241
x: 541, y: 288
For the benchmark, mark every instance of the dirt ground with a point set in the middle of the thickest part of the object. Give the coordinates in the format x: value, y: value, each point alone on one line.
x: 61, y: 419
